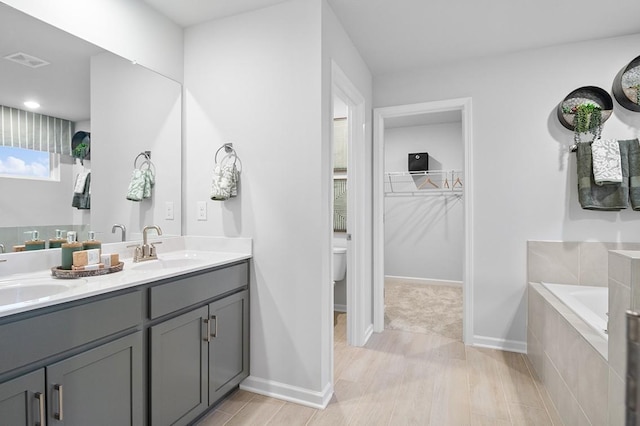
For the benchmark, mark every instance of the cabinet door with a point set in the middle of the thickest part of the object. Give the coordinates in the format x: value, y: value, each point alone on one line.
x: 22, y: 400
x: 102, y: 386
x: 229, y: 347
x: 179, y: 368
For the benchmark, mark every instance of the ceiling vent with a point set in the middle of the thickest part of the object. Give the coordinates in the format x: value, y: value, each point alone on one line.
x: 27, y: 60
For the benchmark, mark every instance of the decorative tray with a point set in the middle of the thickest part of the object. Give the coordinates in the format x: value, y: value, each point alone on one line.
x: 66, y: 273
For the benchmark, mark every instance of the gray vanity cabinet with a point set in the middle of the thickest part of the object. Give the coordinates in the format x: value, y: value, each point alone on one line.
x: 179, y: 368
x: 22, y: 400
x: 197, y: 357
x: 102, y: 386
x: 229, y: 344
x: 76, y: 389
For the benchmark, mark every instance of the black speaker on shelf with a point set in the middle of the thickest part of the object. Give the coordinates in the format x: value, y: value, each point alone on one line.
x: 418, y: 162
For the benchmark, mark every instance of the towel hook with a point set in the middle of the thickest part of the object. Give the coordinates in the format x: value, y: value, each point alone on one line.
x: 145, y: 154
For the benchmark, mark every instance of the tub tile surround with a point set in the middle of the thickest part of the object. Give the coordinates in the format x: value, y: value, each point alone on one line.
x: 583, y: 373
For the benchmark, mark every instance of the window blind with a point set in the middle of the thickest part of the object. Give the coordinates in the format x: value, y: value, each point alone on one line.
x: 30, y: 130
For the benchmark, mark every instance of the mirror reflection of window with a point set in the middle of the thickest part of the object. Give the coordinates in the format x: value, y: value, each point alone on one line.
x: 340, y: 135
x: 25, y: 163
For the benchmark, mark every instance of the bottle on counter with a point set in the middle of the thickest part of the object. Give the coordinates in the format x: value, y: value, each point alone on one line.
x: 35, y: 243
x: 58, y: 240
x: 67, y: 250
x: 92, y: 243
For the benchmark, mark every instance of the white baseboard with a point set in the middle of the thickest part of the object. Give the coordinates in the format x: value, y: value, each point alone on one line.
x: 501, y: 344
x: 289, y: 393
x: 340, y: 308
x: 423, y: 281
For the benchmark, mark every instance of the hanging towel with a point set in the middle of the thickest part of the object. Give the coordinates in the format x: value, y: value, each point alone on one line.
x: 601, y: 197
x: 82, y: 199
x: 142, y: 180
x: 225, y: 179
x: 607, y: 166
x: 633, y: 147
x: 80, y: 180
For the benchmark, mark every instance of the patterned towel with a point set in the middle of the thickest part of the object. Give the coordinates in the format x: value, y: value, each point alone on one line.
x: 607, y: 165
x: 225, y: 181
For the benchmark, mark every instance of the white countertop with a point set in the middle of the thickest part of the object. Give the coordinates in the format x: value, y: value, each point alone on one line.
x: 176, y: 256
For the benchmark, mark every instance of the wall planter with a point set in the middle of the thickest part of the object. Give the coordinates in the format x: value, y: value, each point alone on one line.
x: 580, y: 98
x: 626, y: 86
x: 81, y: 146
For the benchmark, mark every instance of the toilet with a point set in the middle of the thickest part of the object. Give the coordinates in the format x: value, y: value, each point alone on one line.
x: 339, y: 263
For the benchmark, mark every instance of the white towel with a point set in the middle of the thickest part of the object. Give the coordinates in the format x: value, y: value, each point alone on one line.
x: 78, y: 188
x: 607, y: 165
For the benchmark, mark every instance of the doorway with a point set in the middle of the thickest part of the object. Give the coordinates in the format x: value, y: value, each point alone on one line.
x: 444, y: 180
x: 359, y: 293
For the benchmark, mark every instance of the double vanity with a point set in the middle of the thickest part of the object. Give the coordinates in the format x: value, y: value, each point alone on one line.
x: 158, y: 343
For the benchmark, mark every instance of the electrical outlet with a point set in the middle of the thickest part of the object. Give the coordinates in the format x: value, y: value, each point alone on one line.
x: 168, y: 210
x: 202, y: 210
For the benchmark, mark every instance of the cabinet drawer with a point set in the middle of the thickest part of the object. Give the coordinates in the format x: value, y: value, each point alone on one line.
x: 170, y: 297
x: 38, y: 337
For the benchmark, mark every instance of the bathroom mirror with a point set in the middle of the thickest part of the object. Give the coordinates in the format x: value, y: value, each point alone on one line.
x: 127, y: 109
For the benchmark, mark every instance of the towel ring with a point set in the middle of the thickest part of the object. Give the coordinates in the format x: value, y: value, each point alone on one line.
x: 228, y: 148
x: 145, y: 154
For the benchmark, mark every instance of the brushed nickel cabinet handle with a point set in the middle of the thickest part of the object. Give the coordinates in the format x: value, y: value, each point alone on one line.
x: 208, y: 338
x: 40, y: 398
x: 215, y: 329
x: 58, y: 415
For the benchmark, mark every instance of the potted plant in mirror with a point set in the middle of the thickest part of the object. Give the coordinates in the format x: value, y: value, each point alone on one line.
x: 81, y: 151
x: 587, y: 117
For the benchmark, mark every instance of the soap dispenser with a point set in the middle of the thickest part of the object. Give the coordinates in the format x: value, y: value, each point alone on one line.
x: 92, y: 243
x: 35, y: 243
x: 68, y: 248
x: 58, y: 240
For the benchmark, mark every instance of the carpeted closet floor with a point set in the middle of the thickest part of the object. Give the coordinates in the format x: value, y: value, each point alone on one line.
x: 420, y: 308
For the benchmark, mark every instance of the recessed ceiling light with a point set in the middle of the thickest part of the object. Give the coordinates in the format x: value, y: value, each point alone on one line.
x: 32, y: 104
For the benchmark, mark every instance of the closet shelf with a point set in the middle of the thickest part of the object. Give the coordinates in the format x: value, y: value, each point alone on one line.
x: 423, y: 183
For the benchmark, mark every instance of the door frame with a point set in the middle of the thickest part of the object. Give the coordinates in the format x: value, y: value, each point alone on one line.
x: 359, y: 294
x: 379, y: 116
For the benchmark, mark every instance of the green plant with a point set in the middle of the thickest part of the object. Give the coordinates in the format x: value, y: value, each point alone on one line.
x: 637, y: 87
x: 587, y: 118
x: 80, y: 151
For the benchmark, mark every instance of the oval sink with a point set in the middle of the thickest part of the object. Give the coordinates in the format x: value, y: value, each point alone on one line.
x: 27, y: 290
x: 155, y: 265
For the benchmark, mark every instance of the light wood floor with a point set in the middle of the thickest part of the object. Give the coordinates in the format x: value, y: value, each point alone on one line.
x: 403, y: 378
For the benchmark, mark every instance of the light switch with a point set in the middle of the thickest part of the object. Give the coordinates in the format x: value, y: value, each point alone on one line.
x: 168, y: 210
x: 202, y: 210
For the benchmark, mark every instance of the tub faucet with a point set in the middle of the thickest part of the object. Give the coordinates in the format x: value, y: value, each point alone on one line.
x: 122, y: 228
x: 2, y: 248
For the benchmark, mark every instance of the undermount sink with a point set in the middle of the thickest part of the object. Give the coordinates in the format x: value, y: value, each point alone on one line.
x: 159, y: 264
x: 27, y: 290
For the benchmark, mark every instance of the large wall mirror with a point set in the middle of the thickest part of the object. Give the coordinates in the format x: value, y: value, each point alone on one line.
x: 126, y: 108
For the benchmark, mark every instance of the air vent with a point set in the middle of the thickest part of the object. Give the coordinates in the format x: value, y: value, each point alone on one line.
x: 27, y: 60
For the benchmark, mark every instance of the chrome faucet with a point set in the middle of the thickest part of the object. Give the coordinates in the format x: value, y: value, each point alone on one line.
x: 148, y: 250
x: 2, y: 248
x: 122, y: 228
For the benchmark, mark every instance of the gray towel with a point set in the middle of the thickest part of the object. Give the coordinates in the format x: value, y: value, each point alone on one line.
x: 82, y: 200
x: 605, y: 197
x: 633, y: 147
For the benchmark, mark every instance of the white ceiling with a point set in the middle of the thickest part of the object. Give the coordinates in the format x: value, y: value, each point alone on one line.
x: 395, y: 35
x: 62, y: 87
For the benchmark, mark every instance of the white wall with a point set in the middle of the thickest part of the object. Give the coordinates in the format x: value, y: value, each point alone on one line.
x: 424, y: 234
x: 133, y: 110
x: 254, y: 79
x: 131, y: 29
x: 524, y: 176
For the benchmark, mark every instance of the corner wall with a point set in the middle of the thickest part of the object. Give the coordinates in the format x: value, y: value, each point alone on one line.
x: 254, y: 79
x: 524, y: 177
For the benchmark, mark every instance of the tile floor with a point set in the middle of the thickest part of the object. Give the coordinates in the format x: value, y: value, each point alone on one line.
x: 404, y: 378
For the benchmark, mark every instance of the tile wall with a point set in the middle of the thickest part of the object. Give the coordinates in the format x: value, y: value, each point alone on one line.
x: 582, y: 373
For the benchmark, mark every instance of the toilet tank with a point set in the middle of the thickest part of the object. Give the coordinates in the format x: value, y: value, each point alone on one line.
x: 339, y: 263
